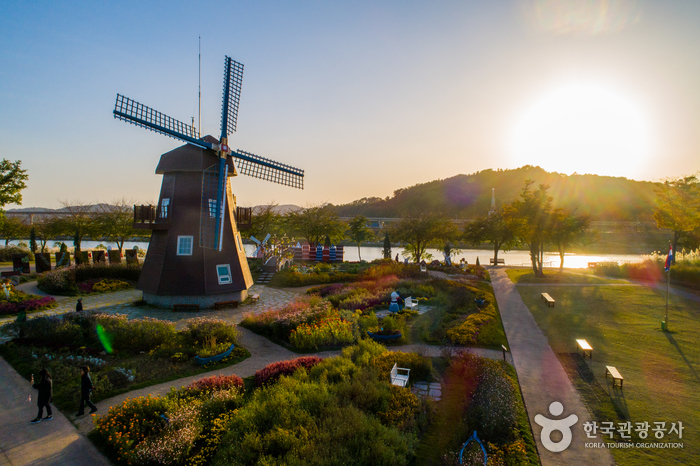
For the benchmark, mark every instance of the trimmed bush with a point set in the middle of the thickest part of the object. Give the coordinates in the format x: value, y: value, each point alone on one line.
x: 421, y: 366
x: 274, y: 371
x: 214, y: 383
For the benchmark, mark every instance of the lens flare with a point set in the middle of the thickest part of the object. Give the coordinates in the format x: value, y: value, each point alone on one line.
x: 104, y: 338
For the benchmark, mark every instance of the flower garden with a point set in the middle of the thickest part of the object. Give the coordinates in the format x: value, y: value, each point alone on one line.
x: 88, y: 278
x: 463, y: 313
x: 14, y: 301
x: 340, y: 410
x: 122, y: 354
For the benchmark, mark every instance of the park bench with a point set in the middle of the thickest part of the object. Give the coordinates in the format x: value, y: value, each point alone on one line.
x: 498, y: 261
x: 583, y: 344
x: 614, y: 373
x: 254, y: 298
x: 224, y: 304
x: 399, y: 379
x: 185, y: 307
x: 410, y: 304
x: 548, y: 299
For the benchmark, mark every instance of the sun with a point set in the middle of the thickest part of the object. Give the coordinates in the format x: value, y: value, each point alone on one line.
x: 582, y: 128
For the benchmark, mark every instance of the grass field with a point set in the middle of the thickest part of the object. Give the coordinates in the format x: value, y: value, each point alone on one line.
x: 580, y: 276
x: 661, y: 370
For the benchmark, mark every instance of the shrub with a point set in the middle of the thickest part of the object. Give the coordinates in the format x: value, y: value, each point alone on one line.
x: 128, y: 424
x: 328, y: 332
x: 58, y: 281
x: 199, y: 328
x: 402, y: 409
x: 31, y: 303
x: 174, y: 442
x: 494, y: 406
x: 110, y: 284
x: 279, y: 323
x: 7, y: 252
x: 213, y: 350
x: 137, y: 334
x: 274, y: 371
x: 214, y: 383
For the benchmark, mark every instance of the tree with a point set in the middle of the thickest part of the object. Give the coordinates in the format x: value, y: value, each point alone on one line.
x: 115, y: 222
x: 79, y: 221
x: 422, y: 229
x: 12, y: 182
x: 265, y: 220
x: 492, y: 229
x: 529, y: 219
x: 567, y: 229
x: 315, y: 223
x: 678, y: 207
x: 359, y: 232
x: 386, y: 251
x: 46, y: 229
x: 32, y: 240
x: 11, y: 228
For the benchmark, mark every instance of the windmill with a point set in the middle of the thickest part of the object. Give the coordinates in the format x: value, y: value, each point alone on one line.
x: 260, y: 250
x: 196, y: 201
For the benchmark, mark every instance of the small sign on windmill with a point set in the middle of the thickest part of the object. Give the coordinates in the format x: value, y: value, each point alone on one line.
x: 196, y: 255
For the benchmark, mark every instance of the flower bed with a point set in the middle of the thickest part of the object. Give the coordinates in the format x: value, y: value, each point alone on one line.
x: 215, y: 358
x: 123, y: 353
x: 274, y: 371
x: 20, y: 301
x: 83, y: 278
x: 332, y: 331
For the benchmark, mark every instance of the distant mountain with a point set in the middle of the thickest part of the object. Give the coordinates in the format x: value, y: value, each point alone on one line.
x: 604, y: 198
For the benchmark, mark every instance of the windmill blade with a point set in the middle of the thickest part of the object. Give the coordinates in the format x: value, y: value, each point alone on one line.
x: 267, y: 237
x: 233, y: 79
x: 129, y: 110
x: 254, y: 239
x: 266, y: 169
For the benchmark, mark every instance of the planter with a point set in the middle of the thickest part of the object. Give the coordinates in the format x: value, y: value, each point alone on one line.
x: 384, y: 337
x: 216, y: 358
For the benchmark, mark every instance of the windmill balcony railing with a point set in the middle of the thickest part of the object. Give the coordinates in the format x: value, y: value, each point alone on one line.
x: 244, y: 218
x: 145, y: 218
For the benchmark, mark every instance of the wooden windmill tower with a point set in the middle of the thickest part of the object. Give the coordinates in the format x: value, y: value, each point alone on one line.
x: 196, y: 255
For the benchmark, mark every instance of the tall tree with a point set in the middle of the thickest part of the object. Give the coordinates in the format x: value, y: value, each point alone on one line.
x: 115, y: 223
x: 12, y: 182
x: 12, y: 228
x: 315, y: 223
x: 359, y: 232
x: 678, y: 207
x: 492, y: 229
x: 79, y: 221
x: 386, y: 251
x: 32, y: 240
x: 47, y: 228
x: 567, y: 229
x: 265, y: 220
x: 529, y: 219
x: 421, y: 229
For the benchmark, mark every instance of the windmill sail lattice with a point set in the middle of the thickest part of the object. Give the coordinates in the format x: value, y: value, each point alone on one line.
x: 269, y: 170
x: 233, y: 79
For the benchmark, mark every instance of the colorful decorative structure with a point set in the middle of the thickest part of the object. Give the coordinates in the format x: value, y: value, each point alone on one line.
x: 303, y: 252
x: 196, y: 255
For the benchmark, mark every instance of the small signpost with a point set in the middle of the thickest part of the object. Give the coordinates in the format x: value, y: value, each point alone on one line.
x: 132, y: 257
x: 115, y: 256
x: 98, y: 257
x: 62, y: 259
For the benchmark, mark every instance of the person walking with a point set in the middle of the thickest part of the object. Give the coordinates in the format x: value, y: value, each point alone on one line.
x: 79, y: 305
x: 86, y: 387
x: 45, y: 387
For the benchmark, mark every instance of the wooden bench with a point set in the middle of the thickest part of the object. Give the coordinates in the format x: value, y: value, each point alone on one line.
x: 185, y: 307
x: 583, y: 344
x: 254, y: 298
x: 399, y: 379
x: 224, y: 304
x: 614, y: 373
x: 498, y: 261
x: 548, y: 299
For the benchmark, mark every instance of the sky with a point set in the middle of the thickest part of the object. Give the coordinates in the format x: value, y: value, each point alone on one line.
x: 366, y: 96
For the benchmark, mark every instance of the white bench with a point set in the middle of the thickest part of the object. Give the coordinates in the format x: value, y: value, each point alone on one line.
x: 409, y: 304
x: 399, y: 379
x: 548, y: 299
x: 423, y: 268
x: 583, y: 344
x: 614, y: 373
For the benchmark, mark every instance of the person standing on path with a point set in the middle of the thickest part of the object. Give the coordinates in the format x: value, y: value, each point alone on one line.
x: 79, y: 305
x: 45, y: 387
x: 85, y: 388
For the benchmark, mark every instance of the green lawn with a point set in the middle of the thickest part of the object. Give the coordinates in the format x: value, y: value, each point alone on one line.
x: 661, y: 370
x: 580, y: 276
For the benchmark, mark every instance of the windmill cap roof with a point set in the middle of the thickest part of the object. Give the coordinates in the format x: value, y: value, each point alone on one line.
x: 190, y: 158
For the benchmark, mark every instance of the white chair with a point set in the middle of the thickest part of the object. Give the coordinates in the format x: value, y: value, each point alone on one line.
x: 399, y: 379
x: 409, y: 304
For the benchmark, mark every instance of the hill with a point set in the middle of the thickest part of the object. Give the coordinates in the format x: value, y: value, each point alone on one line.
x: 604, y: 198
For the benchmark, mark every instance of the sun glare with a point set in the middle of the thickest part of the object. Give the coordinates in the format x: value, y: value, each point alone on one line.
x: 585, y: 129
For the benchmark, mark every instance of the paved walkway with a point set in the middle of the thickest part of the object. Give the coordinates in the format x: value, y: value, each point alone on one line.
x: 542, y: 378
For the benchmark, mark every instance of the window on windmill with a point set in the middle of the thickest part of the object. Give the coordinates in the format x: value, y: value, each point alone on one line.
x: 238, y: 240
x: 212, y: 208
x: 223, y: 271
x: 164, y: 207
x: 184, y: 245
